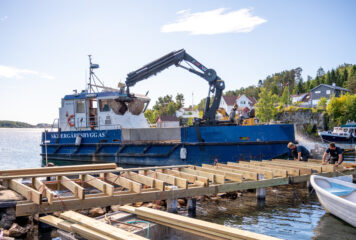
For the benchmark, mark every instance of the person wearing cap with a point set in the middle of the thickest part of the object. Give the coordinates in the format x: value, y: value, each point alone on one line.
x: 335, y: 155
x: 299, y: 152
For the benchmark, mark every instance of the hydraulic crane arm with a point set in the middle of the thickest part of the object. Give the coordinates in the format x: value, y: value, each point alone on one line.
x: 216, y: 85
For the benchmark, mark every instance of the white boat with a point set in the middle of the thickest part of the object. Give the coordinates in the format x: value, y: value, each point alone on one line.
x: 337, y: 197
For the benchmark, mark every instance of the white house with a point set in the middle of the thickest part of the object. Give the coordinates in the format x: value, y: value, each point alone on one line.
x: 165, y: 121
x: 187, y: 113
x: 243, y: 102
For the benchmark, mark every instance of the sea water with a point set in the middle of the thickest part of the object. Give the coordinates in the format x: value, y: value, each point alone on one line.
x: 290, y: 212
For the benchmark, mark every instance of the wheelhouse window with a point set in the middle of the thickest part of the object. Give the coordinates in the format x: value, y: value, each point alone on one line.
x: 80, y: 106
x: 104, y: 105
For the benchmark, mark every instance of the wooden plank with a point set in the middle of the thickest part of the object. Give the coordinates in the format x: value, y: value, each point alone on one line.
x: 99, y: 184
x: 26, y: 191
x: 148, y: 181
x: 56, y: 222
x: 76, y: 189
x: 276, y: 172
x: 176, y: 181
x: 124, y: 182
x: 214, y: 178
x: 49, y: 170
x: 190, y: 177
x: 245, y: 174
x: 232, y: 176
x: 303, y: 170
x: 41, y: 187
x: 199, y: 225
x: 315, y: 167
x: 99, y: 226
x: 290, y: 171
x: 267, y: 174
x: 89, y: 233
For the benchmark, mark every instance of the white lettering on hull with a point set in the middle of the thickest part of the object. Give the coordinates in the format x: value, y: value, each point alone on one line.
x: 74, y: 135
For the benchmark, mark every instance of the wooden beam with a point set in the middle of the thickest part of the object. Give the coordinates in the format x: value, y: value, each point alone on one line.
x: 267, y: 173
x: 214, y: 178
x: 41, y: 187
x: 99, y: 184
x: 232, y: 176
x: 124, y: 182
x: 276, y: 172
x: 290, y: 171
x: 76, y: 189
x: 176, y: 181
x: 246, y: 174
x: 315, y: 167
x: 190, y: 177
x: 199, y: 225
x: 26, y: 191
x: 98, y: 226
x: 48, y: 170
x: 89, y: 233
x: 303, y: 170
x: 148, y: 181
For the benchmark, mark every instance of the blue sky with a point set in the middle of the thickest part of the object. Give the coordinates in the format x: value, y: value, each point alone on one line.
x: 44, y: 45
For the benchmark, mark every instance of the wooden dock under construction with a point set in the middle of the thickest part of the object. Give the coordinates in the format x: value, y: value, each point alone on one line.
x: 51, y: 189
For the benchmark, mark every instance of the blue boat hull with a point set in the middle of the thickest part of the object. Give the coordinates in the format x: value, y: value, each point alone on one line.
x: 203, y: 145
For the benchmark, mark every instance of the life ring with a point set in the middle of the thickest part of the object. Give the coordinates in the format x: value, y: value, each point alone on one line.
x: 70, y: 123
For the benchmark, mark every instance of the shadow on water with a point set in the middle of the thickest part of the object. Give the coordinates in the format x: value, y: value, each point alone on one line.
x: 283, y: 215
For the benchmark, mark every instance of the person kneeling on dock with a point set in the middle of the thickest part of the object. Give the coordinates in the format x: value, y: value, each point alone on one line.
x: 335, y: 155
x: 299, y: 152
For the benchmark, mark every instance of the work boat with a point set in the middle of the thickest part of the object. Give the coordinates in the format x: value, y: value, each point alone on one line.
x: 102, y: 124
x: 344, y: 134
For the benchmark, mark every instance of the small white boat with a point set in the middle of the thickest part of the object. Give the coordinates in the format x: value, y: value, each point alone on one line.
x: 337, y: 197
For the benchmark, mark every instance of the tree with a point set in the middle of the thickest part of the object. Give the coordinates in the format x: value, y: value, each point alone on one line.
x: 341, y: 109
x: 151, y: 115
x: 320, y: 72
x: 322, y: 102
x: 179, y: 100
x: 265, y: 109
x: 285, y: 98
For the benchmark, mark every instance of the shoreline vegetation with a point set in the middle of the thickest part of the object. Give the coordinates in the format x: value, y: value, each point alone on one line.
x: 16, y: 124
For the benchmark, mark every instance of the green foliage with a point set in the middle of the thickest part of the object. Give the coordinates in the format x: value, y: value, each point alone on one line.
x: 322, y: 102
x: 265, y: 109
x: 166, y: 106
x: 285, y: 98
x: 151, y: 115
x: 13, y: 124
x: 341, y: 109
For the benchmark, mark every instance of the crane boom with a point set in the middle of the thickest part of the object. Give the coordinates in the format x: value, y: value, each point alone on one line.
x: 216, y: 85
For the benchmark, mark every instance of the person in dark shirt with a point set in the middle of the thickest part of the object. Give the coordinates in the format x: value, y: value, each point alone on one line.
x: 335, y: 155
x: 299, y: 152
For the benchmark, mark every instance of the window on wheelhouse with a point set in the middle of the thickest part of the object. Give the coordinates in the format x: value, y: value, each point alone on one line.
x: 80, y: 106
x: 104, y: 105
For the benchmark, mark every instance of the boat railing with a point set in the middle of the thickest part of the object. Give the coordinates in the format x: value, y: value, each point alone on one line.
x: 93, y: 123
x: 55, y: 124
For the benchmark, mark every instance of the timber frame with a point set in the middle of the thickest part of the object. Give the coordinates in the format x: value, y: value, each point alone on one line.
x: 101, y: 186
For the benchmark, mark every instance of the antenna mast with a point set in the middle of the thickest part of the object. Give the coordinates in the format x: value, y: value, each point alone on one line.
x: 93, y: 77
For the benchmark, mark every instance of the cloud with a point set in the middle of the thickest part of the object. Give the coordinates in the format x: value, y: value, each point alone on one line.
x: 214, y: 22
x: 13, y: 72
x: 3, y: 19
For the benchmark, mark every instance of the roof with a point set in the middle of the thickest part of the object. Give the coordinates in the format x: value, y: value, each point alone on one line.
x: 301, y: 97
x: 331, y: 86
x: 230, y: 100
x: 167, y: 118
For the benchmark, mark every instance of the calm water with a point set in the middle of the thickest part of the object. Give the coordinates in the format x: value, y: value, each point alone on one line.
x: 286, y: 214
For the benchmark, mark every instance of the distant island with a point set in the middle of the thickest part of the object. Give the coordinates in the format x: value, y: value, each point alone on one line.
x: 15, y: 124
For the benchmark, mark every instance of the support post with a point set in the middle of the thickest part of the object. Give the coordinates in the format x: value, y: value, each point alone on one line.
x: 353, y: 178
x: 261, y: 192
x: 172, y: 204
x: 192, y: 207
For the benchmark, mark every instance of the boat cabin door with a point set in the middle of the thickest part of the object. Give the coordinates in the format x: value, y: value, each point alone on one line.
x: 80, y: 114
x: 93, y: 113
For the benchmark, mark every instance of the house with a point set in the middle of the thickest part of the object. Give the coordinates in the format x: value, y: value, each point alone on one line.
x: 166, y: 121
x: 187, y: 113
x: 303, y: 99
x: 243, y: 102
x: 325, y: 90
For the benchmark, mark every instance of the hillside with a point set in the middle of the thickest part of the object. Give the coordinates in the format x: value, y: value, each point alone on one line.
x: 15, y: 124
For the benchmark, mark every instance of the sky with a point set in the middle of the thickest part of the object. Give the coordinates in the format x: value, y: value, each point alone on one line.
x: 44, y: 45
